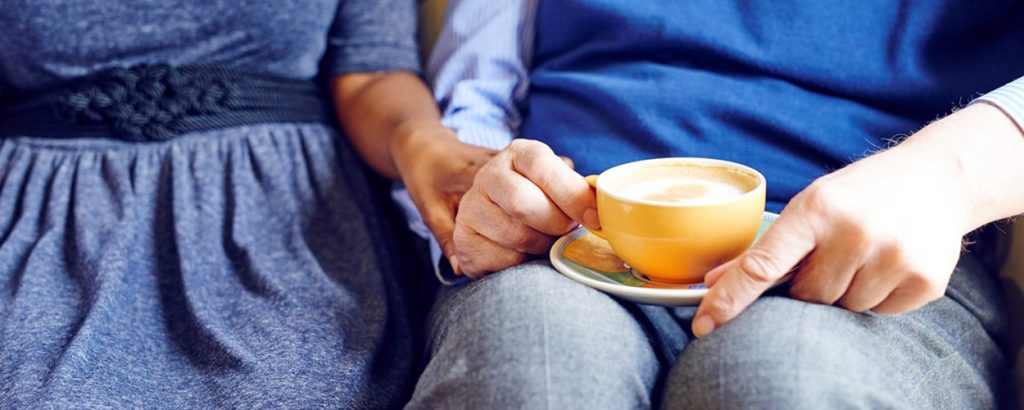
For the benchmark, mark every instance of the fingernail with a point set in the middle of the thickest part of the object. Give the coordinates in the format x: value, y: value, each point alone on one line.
x: 703, y: 325
x: 454, y: 261
x: 590, y: 218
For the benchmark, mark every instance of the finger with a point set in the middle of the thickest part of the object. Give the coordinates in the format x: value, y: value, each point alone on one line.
x: 753, y: 272
x: 439, y: 217
x: 826, y: 273
x: 525, y: 202
x: 568, y: 161
x: 872, y: 283
x: 567, y: 189
x: 712, y: 277
x: 890, y: 285
x: 491, y: 222
x: 904, y: 298
x: 868, y: 289
x: 479, y: 256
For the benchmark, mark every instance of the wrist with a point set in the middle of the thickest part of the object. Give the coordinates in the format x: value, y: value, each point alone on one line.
x: 411, y: 141
x: 933, y: 179
x: 977, y: 157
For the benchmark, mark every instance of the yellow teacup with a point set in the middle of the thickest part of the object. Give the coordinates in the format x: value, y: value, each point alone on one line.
x: 674, y: 219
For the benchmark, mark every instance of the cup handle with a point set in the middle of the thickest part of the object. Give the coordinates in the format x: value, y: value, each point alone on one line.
x: 592, y: 181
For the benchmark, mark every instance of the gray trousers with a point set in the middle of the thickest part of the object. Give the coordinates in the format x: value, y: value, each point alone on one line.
x: 527, y: 337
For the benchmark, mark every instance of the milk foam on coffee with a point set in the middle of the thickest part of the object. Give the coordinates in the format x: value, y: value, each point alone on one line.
x: 682, y: 189
x: 681, y: 183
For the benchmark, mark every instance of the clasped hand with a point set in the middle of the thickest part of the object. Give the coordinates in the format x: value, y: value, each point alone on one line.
x: 881, y: 234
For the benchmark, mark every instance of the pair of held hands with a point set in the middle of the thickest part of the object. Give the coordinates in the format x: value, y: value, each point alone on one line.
x: 883, y: 233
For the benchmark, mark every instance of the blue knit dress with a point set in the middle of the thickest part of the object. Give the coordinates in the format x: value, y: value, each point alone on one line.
x: 240, y: 267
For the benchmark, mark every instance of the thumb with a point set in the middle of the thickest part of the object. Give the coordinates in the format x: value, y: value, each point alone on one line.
x: 440, y: 219
x: 739, y: 282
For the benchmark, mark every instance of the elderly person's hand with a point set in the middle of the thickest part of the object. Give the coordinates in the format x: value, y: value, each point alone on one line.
x: 519, y: 203
x: 883, y: 234
x: 437, y: 170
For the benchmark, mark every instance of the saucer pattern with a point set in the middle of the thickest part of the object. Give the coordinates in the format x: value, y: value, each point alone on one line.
x: 589, y: 255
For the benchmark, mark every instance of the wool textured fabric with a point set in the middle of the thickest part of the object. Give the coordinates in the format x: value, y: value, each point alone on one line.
x: 481, y: 73
x: 795, y: 89
x: 244, y: 267
x: 528, y: 337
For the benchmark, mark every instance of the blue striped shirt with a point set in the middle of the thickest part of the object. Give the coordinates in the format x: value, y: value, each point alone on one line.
x: 479, y: 74
x: 478, y: 71
x: 1010, y: 99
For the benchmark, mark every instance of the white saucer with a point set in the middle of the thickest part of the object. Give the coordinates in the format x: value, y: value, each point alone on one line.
x: 588, y: 259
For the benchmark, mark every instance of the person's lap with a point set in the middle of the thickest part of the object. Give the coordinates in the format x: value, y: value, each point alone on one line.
x: 230, y: 268
x: 529, y: 337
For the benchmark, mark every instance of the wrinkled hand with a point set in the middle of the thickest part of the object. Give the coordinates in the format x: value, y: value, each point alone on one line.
x: 437, y: 169
x: 882, y: 234
x: 519, y: 203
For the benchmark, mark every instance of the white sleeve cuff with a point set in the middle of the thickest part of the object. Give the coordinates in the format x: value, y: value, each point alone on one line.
x: 1010, y: 99
x: 481, y: 130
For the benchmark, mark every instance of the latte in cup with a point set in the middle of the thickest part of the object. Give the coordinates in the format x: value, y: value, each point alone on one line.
x: 674, y: 219
x: 683, y: 183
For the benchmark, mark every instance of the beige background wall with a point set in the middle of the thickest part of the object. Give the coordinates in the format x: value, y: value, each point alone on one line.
x: 431, y: 15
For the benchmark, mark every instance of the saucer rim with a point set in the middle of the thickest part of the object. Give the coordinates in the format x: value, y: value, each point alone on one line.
x: 660, y: 296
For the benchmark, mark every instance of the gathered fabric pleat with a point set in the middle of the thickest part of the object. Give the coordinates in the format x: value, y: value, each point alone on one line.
x: 229, y: 268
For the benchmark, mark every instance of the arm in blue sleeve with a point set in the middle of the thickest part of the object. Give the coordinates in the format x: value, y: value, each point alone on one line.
x: 479, y: 74
x: 1010, y: 99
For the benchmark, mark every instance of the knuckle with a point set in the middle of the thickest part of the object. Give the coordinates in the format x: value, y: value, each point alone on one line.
x: 815, y: 295
x: 852, y: 303
x: 516, y: 259
x: 830, y: 298
x: 518, y: 144
x: 529, y: 155
x: 467, y: 210
x: 462, y: 240
x: 501, y: 261
x: 895, y: 254
x: 516, y: 207
x: 855, y: 308
x: 471, y: 267
x: 522, y: 237
x: 722, y: 304
x: 800, y: 292
x: 486, y: 174
x: 819, y: 196
x: 860, y: 233
x: 517, y: 211
x: 812, y: 294
x: 927, y: 287
x: 827, y: 201
x: 522, y: 150
x: 523, y: 145
x: 759, y: 267
x: 467, y: 261
x: 866, y: 236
